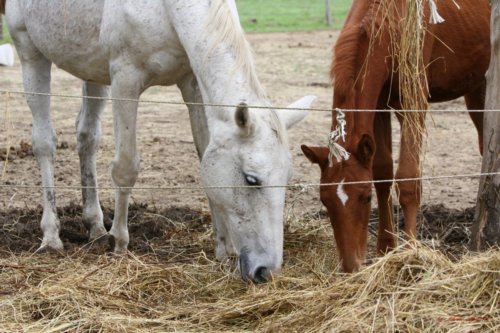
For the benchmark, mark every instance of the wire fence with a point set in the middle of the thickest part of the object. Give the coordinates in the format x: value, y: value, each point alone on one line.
x: 299, y: 186
x: 261, y: 107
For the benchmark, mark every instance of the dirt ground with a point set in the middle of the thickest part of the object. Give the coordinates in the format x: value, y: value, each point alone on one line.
x: 290, y: 65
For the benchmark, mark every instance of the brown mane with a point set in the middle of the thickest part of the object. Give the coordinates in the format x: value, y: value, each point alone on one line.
x: 363, y: 23
x: 345, y: 63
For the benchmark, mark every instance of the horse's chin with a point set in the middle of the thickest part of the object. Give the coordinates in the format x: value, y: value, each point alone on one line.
x: 352, y: 267
x: 354, y: 263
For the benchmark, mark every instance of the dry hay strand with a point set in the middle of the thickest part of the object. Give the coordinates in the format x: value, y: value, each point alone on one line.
x: 412, y: 289
x: 402, y: 25
x: 408, y: 50
x: 413, y: 89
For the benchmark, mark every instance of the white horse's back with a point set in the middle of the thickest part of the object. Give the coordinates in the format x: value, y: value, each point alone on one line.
x: 90, y: 38
x: 55, y: 30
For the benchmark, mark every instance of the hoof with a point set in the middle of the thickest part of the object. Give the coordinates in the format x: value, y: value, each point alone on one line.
x: 97, y: 233
x: 55, y: 247
x: 115, y: 247
x: 385, y: 246
x: 98, y: 244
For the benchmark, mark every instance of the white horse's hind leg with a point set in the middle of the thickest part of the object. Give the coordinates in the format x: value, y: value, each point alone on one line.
x: 125, y: 166
x: 88, y: 127
x: 36, y: 77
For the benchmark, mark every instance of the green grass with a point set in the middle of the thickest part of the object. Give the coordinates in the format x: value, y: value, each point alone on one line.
x: 278, y: 15
x: 290, y: 15
x: 6, y: 36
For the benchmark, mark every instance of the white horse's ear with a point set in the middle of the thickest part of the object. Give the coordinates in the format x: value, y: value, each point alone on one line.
x: 244, y: 120
x: 291, y: 117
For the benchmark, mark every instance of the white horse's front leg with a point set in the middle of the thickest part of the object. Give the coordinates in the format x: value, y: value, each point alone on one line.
x: 88, y: 127
x: 36, y: 76
x: 125, y: 166
x: 191, y: 94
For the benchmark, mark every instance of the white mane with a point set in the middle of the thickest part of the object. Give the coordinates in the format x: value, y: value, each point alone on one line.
x: 225, y: 27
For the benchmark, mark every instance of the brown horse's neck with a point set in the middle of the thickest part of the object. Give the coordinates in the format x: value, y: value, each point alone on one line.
x: 362, y: 66
x: 354, y: 87
x: 357, y: 124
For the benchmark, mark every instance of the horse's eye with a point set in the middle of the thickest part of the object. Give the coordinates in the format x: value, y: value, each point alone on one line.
x: 366, y: 199
x: 252, y: 180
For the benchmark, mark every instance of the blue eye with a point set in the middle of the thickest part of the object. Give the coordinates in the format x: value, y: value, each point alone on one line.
x: 252, y: 180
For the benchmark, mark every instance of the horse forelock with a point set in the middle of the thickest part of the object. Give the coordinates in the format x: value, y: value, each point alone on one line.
x: 225, y: 29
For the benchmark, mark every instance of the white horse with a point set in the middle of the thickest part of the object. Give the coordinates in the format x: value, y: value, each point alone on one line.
x: 132, y: 45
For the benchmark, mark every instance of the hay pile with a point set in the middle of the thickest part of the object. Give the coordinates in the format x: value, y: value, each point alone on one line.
x: 415, y: 289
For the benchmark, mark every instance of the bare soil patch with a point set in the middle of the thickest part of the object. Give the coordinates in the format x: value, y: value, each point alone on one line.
x: 153, y: 228
x: 290, y: 65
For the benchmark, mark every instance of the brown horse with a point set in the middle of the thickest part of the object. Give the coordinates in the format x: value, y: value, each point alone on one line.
x: 455, y: 57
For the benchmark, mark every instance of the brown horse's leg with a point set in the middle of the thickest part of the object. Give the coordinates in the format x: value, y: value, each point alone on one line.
x: 475, y: 101
x: 383, y: 170
x: 409, y: 191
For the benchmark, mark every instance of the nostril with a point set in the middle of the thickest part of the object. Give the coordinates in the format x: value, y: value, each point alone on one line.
x: 262, y: 274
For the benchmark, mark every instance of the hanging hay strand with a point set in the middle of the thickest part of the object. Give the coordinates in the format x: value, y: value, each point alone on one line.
x: 411, y: 68
x: 404, y: 23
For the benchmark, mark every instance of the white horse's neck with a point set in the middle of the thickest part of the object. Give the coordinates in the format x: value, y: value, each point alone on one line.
x: 221, y: 57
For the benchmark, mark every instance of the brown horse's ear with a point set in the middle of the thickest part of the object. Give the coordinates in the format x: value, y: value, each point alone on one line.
x: 366, y: 150
x: 317, y: 155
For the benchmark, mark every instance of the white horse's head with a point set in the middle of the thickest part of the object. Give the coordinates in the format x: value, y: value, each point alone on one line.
x: 248, y: 155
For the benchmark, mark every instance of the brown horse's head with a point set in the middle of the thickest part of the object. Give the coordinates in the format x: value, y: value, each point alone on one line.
x: 348, y: 205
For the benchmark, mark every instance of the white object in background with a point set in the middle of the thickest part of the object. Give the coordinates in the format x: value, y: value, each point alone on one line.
x: 6, y: 55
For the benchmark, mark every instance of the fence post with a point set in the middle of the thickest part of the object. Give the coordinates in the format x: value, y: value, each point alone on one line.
x: 328, y: 12
x: 486, y: 228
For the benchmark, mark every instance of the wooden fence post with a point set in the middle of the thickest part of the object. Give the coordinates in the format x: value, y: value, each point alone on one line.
x: 328, y: 12
x: 486, y: 228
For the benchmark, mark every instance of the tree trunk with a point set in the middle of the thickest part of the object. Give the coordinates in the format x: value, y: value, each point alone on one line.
x: 486, y: 228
